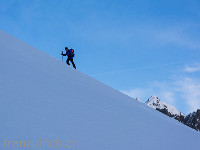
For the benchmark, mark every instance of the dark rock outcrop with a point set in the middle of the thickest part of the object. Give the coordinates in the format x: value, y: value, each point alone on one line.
x: 193, y: 120
x: 179, y: 117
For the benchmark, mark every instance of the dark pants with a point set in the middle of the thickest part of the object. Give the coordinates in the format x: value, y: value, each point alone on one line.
x: 71, y: 59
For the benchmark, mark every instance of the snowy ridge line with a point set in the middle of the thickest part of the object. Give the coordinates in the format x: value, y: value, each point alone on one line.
x: 155, y: 103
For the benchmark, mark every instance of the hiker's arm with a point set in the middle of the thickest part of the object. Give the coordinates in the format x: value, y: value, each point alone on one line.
x: 63, y: 54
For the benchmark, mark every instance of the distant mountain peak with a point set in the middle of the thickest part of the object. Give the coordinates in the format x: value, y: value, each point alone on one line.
x: 192, y: 120
x: 153, y: 101
x: 161, y: 106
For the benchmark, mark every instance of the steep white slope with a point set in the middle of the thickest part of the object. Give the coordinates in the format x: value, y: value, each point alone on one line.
x: 42, y: 99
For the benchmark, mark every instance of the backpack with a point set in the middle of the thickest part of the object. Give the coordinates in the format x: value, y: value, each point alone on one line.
x: 72, y: 52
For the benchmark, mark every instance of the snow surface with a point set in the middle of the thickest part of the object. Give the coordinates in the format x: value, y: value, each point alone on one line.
x: 154, y: 102
x: 41, y: 98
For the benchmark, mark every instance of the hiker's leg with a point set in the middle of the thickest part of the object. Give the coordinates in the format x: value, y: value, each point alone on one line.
x: 73, y: 63
x: 68, y: 61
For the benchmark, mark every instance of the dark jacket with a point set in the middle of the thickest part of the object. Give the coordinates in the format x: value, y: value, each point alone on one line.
x: 69, y: 54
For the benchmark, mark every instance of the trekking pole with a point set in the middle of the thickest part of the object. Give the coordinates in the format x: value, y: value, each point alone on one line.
x: 62, y: 56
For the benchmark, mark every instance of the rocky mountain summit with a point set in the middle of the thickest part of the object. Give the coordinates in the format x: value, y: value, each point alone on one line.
x: 192, y: 120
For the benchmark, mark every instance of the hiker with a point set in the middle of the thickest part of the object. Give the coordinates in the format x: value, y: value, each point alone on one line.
x: 70, y: 54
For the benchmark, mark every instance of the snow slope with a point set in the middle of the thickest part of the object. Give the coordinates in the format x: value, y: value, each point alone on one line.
x: 42, y: 99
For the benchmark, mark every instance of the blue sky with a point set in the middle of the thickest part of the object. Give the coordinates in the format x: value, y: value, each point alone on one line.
x: 139, y: 47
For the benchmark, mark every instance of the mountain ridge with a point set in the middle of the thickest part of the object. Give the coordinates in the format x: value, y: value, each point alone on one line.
x: 192, y: 120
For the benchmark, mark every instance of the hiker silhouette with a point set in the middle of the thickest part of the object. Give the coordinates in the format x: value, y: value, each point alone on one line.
x: 70, y: 54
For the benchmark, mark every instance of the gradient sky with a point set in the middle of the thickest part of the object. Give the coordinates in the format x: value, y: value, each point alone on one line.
x: 140, y: 47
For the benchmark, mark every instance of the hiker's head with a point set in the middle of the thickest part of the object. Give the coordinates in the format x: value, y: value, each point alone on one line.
x: 66, y: 48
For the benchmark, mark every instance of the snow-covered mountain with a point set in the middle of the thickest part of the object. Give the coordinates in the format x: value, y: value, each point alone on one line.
x: 167, y: 109
x: 192, y: 120
x: 45, y: 103
x: 156, y: 103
